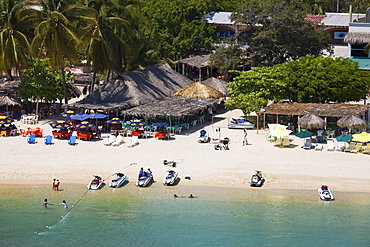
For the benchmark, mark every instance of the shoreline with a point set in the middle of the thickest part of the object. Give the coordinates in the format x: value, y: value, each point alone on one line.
x: 283, y: 168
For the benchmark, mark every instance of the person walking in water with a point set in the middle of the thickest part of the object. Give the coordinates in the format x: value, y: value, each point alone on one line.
x: 45, y: 204
x: 64, y: 204
x: 245, y: 135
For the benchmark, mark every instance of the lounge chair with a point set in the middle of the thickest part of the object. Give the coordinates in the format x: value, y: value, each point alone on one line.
x: 134, y: 141
x: 340, y: 147
x: 110, y: 141
x: 31, y: 139
x: 72, y: 140
x: 357, y: 148
x: 307, y: 144
x: 48, y: 140
x: 286, y: 141
x: 278, y: 141
x: 319, y: 147
x: 350, y: 147
x: 119, y: 141
x: 366, y: 149
x: 330, y: 144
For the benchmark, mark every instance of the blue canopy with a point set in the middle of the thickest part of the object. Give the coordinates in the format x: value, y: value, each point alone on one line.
x: 80, y: 117
x: 98, y: 115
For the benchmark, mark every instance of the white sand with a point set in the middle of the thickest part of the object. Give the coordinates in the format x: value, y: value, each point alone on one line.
x: 284, y: 168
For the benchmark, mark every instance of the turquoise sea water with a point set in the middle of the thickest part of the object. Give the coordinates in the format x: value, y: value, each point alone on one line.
x: 131, y: 216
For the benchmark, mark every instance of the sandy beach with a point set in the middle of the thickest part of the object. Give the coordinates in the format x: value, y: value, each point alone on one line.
x: 284, y: 168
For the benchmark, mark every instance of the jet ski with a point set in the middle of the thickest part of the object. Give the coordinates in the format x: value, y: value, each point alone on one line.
x: 240, y: 123
x: 118, y: 181
x: 203, y: 136
x: 171, y: 178
x: 256, y: 179
x: 325, y: 194
x: 144, y: 181
x: 96, y: 183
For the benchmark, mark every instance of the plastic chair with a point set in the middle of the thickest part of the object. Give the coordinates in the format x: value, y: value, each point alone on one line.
x: 330, y: 145
x: 110, y: 141
x: 307, y: 144
x: 72, y: 140
x: 31, y: 139
x: 48, y: 140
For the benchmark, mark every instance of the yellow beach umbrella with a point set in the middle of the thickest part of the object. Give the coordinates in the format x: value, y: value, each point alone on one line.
x: 280, y: 132
x: 362, y: 137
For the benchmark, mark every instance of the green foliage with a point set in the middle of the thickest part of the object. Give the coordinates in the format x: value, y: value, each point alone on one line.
x: 42, y: 82
x: 308, y: 80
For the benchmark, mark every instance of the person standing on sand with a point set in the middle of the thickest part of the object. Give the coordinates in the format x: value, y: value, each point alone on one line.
x: 245, y: 135
x: 56, y: 184
x: 45, y: 204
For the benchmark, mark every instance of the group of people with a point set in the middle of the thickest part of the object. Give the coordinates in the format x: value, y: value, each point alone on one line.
x: 143, y: 173
x: 46, y: 203
x: 55, y: 184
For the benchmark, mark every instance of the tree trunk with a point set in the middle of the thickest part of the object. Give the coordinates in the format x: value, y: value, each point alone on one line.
x: 10, y: 76
x: 65, y: 92
x: 107, y: 77
x: 92, y: 83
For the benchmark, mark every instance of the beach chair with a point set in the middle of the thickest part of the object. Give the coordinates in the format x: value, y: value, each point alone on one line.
x: 366, y: 149
x: 110, y: 141
x: 118, y: 141
x: 134, y: 141
x: 357, y: 148
x: 307, y: 144
x: 319, y: 147
x: 31, y: 139
x: 350, y: 147
x: 330, y: 144
x: 286, y: 141
x: 278, y: 141
x: 48, y: 140
x: 340, y: 147
x: 72, y: 140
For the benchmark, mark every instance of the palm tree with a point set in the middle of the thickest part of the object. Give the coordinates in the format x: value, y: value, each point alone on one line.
x: 56, y: 34
x: 14, y: 42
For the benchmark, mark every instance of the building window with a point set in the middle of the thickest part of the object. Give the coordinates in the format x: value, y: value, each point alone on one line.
x: 358, y: 50
x: 339, y: 35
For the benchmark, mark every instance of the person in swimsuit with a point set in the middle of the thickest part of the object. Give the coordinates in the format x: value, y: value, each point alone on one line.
x: 45, y: 204
x: 64, y: 204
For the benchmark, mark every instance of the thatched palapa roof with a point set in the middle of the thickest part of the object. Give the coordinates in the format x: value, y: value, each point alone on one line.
x: 357, y: 38
x: 311, y: 121
x: 217, y: 84
x: 323, y: 110
x: 134, y: 88
x: 196, y: 61
x: 351, y: 122
x: 171, y: 106
x: 199, y: 90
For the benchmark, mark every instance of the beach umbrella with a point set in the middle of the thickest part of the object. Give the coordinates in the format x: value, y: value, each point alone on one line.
x: 280, y: 132
x: 344, y: 138
x: 311, y: 121
x: 9, y: 101
x: 148, y: 127
x: 199, y: 90
x: 98, y: 116
x: 115, y: 121
x: 60, y: 124
x: 351, y: 122
x: 84, y: 125
x: 5, y: 120
x: 304, y: 134
x: 362, y: 137
x: 160, y: 124
x: 80, y: 117
x: 68, y: 114
x: 137, y: 123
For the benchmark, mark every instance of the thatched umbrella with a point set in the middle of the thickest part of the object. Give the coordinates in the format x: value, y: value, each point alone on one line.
x: 311, y: 121
x: 199, y: 90
x: 9, y: 101
x: 351, y: 122
x: 217, y: 84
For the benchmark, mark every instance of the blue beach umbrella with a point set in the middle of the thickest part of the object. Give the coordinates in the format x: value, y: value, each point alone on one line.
x: 60, y: 125
x: 5, y: 120
x: 80, y: 117
x: 98, y: 116
x: 344, y: 138
x: 137, y: 123
x: 84, y: 125
x: 115, y: 121
x: 160, y: 124
x: 68, y: 114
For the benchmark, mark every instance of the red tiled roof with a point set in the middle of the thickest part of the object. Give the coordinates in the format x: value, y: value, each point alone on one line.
x: 315, y: 19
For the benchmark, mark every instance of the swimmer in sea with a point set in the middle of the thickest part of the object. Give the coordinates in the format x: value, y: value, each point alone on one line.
x: 45, y: 204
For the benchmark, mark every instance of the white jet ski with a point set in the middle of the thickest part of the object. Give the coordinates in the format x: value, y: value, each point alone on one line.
x: 144, y: 181
x: 96, y: 183
x: 325, y: 194
x: 171, y: 178
x: 119, y: 180
x: 203, y: 136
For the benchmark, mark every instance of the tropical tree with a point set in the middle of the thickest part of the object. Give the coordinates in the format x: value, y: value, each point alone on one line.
x: 307, y: 80
x: 14, y: 39
x: 41, y: 82
x: 56, y: 34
